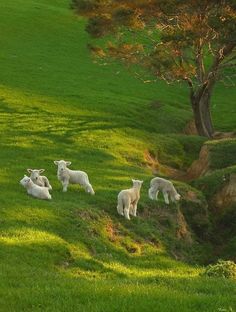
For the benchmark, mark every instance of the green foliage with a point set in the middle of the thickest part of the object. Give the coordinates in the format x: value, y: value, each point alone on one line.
x: 222, y: 153
x: 221, y: 165
x: 225, y: 269
x: 229, y: 251
x: 195, y: 210
x: 211, y: 183
x: 176, y: 41
x: 172, y: 54
x: 191, y: 147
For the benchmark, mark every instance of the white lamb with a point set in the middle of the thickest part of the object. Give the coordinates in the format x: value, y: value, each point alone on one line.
x: 166, y: 187
x: 66, y: 176
x: 38, y: 179
x: 128, y: 200
x: 35, y: 190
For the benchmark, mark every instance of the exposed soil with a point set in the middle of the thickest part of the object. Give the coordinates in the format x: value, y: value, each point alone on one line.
x: 226, y: 196
x: 158, y: 168
x: 190, y: 128
x: 182, y: 231
x: 200, y: 166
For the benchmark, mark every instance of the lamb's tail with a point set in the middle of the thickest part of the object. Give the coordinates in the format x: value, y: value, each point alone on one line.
x: 120, y: 206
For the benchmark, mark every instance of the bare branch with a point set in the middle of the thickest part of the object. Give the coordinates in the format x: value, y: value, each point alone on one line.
x: 190, y: 85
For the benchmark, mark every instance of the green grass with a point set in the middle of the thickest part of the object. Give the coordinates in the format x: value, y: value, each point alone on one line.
x: 75, y: 253
x: 214, y: 181
x: 222, y: 153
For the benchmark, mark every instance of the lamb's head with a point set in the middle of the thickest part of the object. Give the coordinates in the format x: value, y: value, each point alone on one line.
x: 174, y: 195
x: 35, y: 173
x: 152, y: 193
x: 137, y: 183
x: 61, y: 164
x: 25, y: 181
x: 177, y: 197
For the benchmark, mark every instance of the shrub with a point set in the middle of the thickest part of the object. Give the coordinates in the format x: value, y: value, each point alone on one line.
x: 225, y: 269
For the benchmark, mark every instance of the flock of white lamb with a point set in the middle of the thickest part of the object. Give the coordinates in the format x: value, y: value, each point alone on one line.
x: 38, y: 186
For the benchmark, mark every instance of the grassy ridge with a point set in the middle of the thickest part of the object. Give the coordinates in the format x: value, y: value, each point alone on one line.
x: 75, y: 253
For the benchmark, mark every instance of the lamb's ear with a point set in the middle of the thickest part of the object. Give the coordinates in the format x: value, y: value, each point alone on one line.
x: 41, y: 170
x: 29, y: 170
x: 141, y: 181
x: 68, y: 163
x: 56, y: 162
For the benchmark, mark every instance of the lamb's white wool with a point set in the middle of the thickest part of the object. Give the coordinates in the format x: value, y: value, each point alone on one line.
x: 128, y: 200
x: 166, y: 187
x: 66, y: 176
x: 38, y: 179
x: 35, y: 190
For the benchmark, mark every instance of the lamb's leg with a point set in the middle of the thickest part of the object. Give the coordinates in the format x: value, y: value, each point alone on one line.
x: 126, y: 213
x: 131, y: 210
x: 43, y: 193
x: 135, y: 209
x: 157, y: 192
x: 120, y: 209
x: 65, y: 184
x: 127, y: 209
x: 165, y: 194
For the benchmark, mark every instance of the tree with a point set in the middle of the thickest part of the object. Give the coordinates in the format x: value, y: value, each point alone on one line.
x: 176, y: 40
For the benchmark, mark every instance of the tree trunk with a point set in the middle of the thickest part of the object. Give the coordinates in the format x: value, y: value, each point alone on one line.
x: 202, y: 114
x: 198, y: 119
x: 201, y: 110
x: 206, y: 113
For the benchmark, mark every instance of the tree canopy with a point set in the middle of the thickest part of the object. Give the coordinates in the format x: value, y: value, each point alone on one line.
x: 176, y: 40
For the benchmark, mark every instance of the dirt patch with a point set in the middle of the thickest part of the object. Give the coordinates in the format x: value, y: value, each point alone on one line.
x: 152, y: 162
x: 224, y: 135
x: 226, y: 196
x: 200, y: 166
x: 86, y: 215
x: 113, y: 232
x: 190, y: 128
x: 170, y: 219
x: 158, y: 168
x: 191, y: 196
x: 182, y: 231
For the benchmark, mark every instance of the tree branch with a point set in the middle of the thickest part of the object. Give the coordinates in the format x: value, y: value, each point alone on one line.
x: 190, y: 85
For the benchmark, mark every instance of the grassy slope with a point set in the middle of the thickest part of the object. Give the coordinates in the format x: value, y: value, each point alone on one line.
x: 74, y: 253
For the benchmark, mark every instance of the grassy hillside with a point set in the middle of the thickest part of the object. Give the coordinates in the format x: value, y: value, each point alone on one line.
x: 75, y: 253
